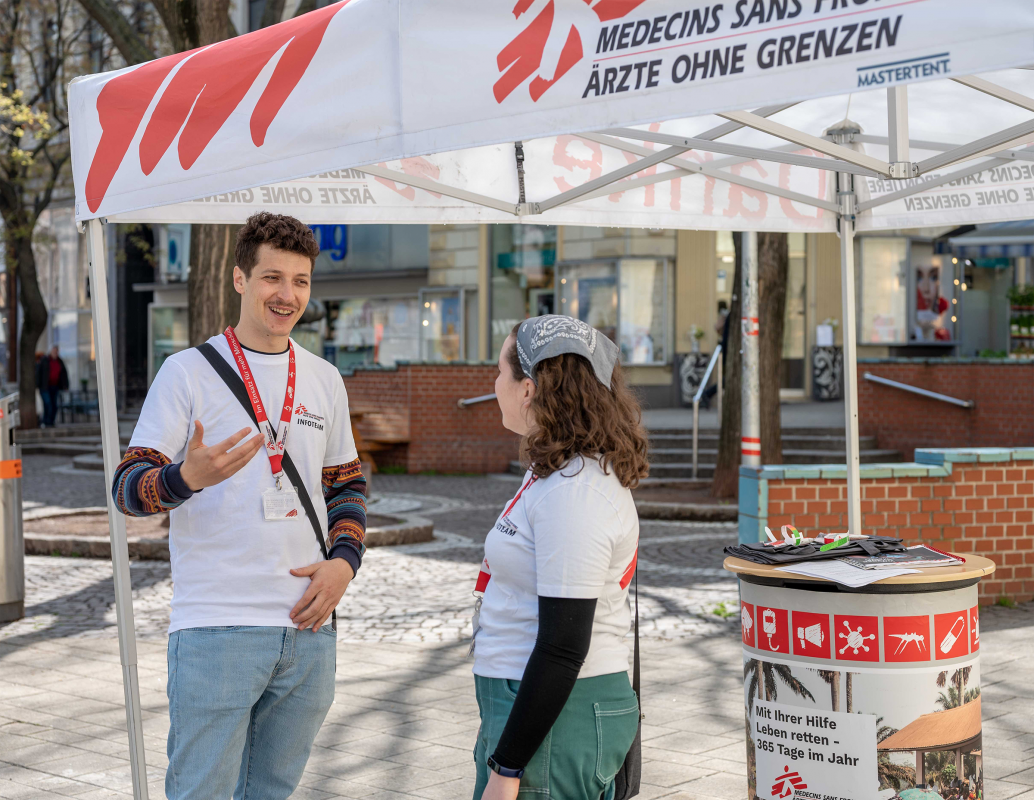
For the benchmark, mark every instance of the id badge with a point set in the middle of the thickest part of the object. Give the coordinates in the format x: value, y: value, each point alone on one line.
x: 281, y: 504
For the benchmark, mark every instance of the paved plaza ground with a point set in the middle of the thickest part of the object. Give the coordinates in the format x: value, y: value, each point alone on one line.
x: 405, y: 721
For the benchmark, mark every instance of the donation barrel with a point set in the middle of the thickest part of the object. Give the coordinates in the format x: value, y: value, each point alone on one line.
x: 12, y: 547
x: 859, y: 694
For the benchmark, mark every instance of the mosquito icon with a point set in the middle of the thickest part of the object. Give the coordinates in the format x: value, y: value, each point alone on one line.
x: 905, y: 639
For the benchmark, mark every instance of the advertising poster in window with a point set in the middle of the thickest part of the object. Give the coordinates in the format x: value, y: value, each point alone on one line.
x: 932, y: 309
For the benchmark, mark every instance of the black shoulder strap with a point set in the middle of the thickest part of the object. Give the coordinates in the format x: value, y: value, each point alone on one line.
x: 236, y: 385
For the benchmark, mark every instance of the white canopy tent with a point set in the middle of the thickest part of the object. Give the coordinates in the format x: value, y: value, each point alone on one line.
x: 582, y: 112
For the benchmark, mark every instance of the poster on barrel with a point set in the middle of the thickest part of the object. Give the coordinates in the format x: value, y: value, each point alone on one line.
x: 861, y: 707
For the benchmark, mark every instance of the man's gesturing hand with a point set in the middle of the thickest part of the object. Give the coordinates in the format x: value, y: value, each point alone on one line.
x: 207, y: 466
x: 327, y: 583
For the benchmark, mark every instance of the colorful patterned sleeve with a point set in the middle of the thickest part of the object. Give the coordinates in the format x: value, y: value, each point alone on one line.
x: 344, y: 489
x: 147, y: 483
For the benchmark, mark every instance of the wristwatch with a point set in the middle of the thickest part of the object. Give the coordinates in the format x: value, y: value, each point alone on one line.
x: 506, y: 772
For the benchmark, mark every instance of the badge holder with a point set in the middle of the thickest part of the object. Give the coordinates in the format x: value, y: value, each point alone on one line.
x: 281, y: 503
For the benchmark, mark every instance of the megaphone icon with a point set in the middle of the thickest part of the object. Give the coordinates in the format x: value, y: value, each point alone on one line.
x: 813, y: 634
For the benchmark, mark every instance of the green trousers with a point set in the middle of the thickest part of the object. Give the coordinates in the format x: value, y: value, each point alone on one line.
x: 582, y: 751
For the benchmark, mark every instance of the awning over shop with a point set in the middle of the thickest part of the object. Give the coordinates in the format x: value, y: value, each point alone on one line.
x: 999, y: 240
x: 942, y: 730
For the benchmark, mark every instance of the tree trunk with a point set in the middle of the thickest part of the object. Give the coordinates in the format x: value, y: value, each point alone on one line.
x: 34, y: 318
x: 834, y: 690
x: 726, y: 480
x: 849, y: 691
x: 773, y: 269
x: 212, y: 301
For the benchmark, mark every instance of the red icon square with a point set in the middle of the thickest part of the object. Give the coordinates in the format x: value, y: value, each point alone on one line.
x: 856, y: 638
x: 774, y: 633
x: 974, y: 629
x: 906, y: 638
x: 951, y: 634
x: 747, y: 627
x: 810, y: 634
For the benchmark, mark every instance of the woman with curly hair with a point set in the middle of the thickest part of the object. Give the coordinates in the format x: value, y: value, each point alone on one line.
x: 558, y: 714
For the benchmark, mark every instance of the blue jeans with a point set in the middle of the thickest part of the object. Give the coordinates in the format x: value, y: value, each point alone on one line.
x: 245, y: 704
x: 51, y: 401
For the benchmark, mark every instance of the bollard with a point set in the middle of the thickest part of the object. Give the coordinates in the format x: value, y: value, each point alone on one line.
x: 12, y: 546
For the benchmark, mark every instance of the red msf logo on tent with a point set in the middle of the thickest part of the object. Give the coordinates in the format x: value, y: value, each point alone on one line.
x: 522, y: 57
x: 200, y: 97
x: 787, y: 783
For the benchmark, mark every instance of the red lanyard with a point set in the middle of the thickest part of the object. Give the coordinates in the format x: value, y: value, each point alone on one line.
x: 513, y: 502
x: 276, y: 441
x: 486, y: 573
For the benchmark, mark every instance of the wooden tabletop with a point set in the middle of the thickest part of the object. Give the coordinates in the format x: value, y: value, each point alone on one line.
x: 975, y: 567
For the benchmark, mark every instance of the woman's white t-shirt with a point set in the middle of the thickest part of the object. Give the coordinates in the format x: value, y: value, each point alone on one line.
x: 573, y: 535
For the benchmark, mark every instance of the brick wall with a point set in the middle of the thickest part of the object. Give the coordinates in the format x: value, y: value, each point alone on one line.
x: 962, y: 500
x: 1003, y: 392
x: 442, y: 436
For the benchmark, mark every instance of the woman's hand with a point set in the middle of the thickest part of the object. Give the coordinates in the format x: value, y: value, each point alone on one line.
x: 500, y: 788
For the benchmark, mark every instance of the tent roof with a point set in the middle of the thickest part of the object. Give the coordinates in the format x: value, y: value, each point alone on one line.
x: 430, y: 98
x: 941, y: 730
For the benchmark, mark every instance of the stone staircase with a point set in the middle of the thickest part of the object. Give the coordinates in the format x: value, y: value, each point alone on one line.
x: 671, y: 451
x: 81, y: 443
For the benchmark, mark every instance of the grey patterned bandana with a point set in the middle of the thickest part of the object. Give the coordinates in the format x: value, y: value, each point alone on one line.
x: 539, y: 338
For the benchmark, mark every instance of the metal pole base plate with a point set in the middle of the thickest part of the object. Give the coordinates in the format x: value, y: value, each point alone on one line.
x: 9, y: 612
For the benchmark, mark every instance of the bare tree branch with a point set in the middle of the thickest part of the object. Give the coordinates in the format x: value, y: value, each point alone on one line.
x: 129, y: 43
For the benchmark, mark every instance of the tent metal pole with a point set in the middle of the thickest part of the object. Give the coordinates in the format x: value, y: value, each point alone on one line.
x: 922, y: 186
x: 684, y: 168
x: 1017, y: 134
x: 777, y: 155
x: 847, y: 283
x: 901, y: 166
x: 993, y: 89
x: 98, y: 257
x: 816, y: 143
x: 750, y: 406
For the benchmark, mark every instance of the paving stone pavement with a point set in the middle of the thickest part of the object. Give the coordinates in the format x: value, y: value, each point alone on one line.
x: 406, y: 718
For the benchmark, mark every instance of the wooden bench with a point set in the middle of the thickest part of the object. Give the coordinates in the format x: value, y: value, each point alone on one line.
x: 375, y: 430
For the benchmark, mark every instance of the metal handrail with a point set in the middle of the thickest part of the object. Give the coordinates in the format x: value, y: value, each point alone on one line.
x: 916, y: 390
x: 473, y: 400
x: 716, y: 358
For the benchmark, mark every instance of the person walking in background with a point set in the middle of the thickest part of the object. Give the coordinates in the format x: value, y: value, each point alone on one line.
x: 51, y: 380
x: 558, y: 714
x: 262, y: 549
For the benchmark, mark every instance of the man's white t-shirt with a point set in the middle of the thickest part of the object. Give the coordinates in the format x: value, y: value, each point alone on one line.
x: 573, y: 534
x: 230, y: 566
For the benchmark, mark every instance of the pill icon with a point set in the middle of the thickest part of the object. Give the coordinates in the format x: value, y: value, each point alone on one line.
x: 953, y: 635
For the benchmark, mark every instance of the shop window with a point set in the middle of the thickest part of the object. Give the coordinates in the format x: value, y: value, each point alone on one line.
x: 522, y: 269
x: 883, y: 278
x: 627, y: 300
x: 169, y: 334
x: 362, y: 331
x: 360, y: 248
x: 931, y: 306
x: 448, y: 324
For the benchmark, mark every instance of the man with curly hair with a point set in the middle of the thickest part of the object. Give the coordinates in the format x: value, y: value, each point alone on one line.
x: 251, y: 656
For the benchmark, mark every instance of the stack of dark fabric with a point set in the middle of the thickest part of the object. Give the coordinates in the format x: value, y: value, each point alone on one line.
x: 762, y: 553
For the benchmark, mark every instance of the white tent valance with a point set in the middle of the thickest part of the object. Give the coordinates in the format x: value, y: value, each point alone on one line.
x: 365, y: 82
